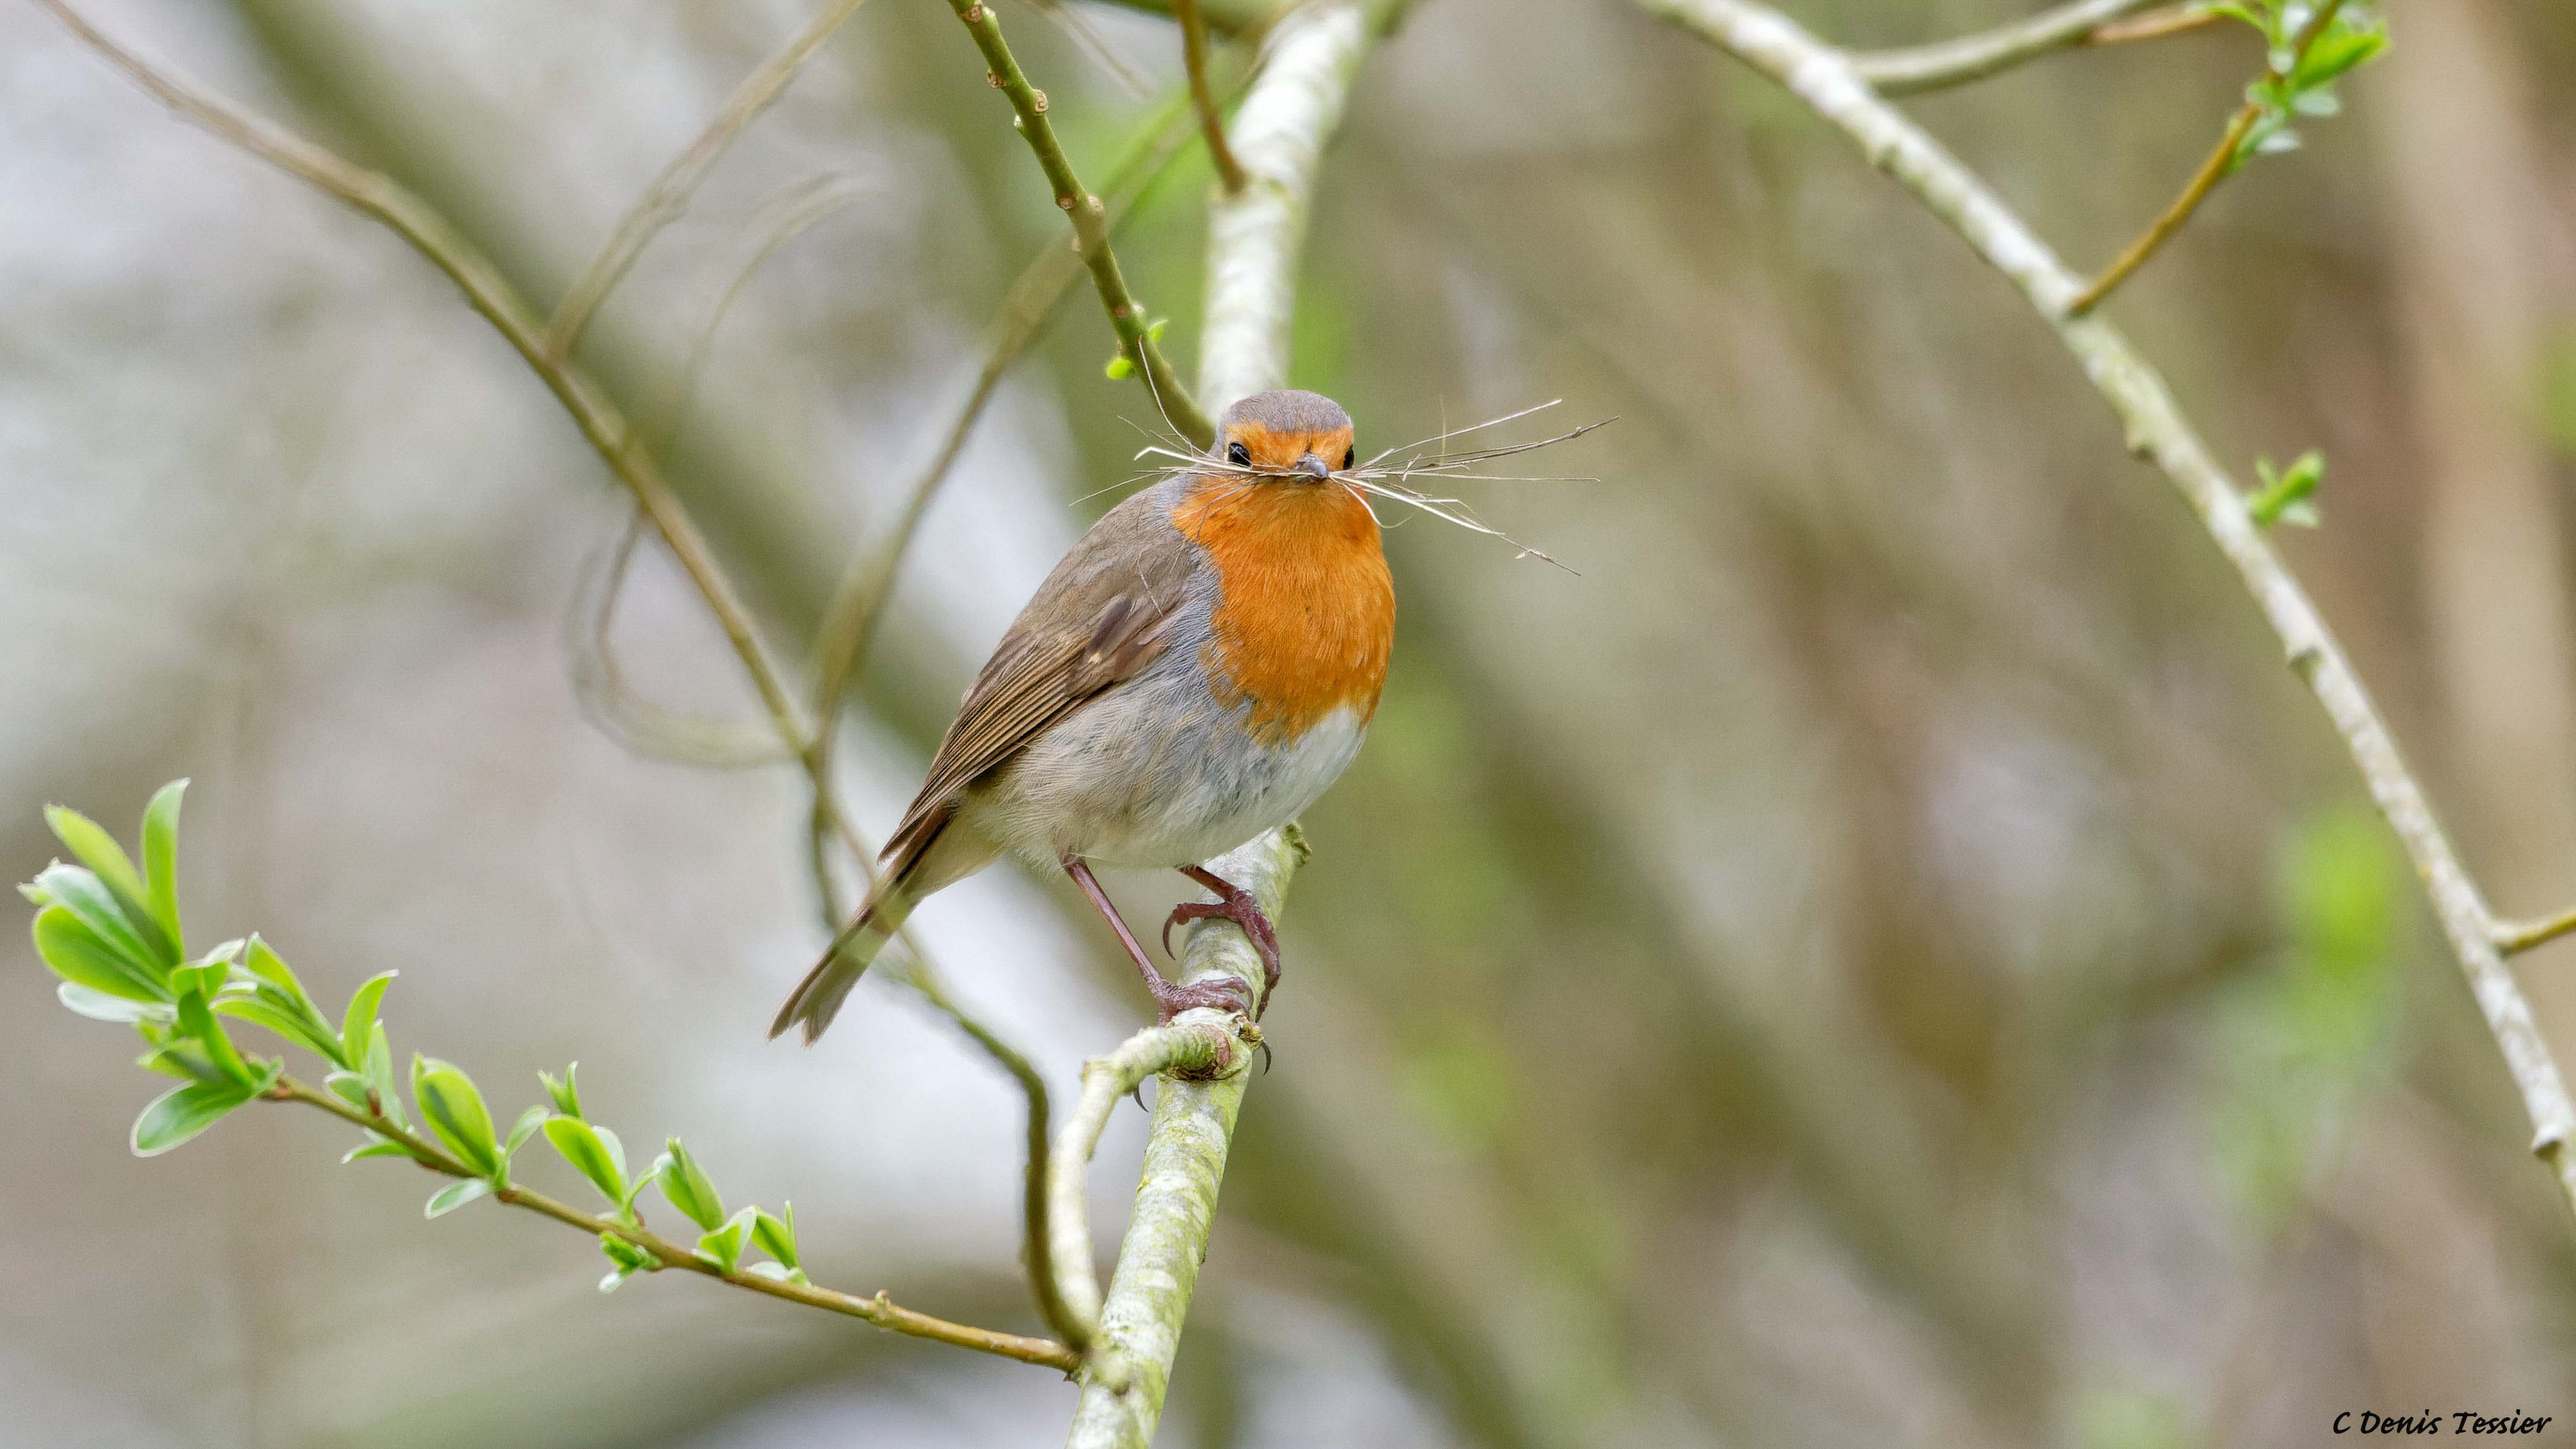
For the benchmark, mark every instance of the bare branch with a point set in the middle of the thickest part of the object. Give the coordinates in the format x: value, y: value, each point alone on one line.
x: 668, y: 196
x: 2156, y: 430
x: 1974, y: 57
x: 1090, y: 225
x: 1211, y: 122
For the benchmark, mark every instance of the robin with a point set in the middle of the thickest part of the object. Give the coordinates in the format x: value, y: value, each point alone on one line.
x: 1198, y: 669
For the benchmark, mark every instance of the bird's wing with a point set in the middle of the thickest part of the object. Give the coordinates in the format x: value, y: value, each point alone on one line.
x: 1099, y: 618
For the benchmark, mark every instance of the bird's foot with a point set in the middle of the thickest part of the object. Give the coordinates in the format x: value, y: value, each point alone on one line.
x: 1233, y: 903
x: 1226, y: 993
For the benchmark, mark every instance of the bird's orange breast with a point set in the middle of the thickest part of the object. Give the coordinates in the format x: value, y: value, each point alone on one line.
x: 1305, y: 612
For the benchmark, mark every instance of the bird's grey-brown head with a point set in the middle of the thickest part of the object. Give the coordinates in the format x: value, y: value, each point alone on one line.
x: 1301, y: 435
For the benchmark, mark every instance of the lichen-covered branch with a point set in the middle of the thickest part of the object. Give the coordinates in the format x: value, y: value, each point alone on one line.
x: 1089, y: 215
x: 1199, y: 1050
x: 1823, y: 78
x: 1974, y: 57
x: 1129, y: 1363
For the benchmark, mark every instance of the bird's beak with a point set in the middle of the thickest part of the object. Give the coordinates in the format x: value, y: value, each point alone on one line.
x: 1315, y: 468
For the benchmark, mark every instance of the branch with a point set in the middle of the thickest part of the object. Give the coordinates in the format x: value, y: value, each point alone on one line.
x: 2515, y: 937
x: 877, y: 1310
x: 668, y: 196
x: 1195, y: 1050
x: 1129, y: 1363
x: 2156, y: 430
x: 1974, y: 57
x: 1090, y: 225
x: 2221, y: 162
x: 1211, y: 123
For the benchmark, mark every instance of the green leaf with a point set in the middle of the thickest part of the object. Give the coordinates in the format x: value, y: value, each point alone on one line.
x: 100, y: 1006
x: 74, y: 952
x: 687, y: 1187
x: 723, y: 1246
x: 2339, y: 50
x: 349, y: 1087
x: 161, y: 858
x: 628, y: 1258
x: 378, y: 1148
x: 358, y: 1026
x: 1119, y: 368
x: 565, y: 1091
x: 627, y: 1255
x: 521, y: 1131
x: 776, y: 1236
x: 199, y: 1022
x: 288, y: 1025
x: 456, y: 1195
x: 454, y: 1110
x: 578, y: 1143
x: 96, y: 849
x: 116, y: 873
x: 379, y: 1072
x: 2285, y: 497
x: 182, y: 1113
x: 79, y: 892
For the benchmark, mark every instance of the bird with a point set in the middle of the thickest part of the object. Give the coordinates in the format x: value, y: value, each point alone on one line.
x: 1198, y: 669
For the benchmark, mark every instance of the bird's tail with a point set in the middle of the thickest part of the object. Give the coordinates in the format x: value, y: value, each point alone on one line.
x: 817, y: 998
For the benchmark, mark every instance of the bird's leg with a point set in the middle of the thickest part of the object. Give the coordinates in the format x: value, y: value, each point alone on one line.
x: 1224, y: 993
x: 1233, y: 903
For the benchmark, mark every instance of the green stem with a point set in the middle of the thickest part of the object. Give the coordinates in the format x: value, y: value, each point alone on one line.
x: 1089, y: 216
x: 878, y: 1310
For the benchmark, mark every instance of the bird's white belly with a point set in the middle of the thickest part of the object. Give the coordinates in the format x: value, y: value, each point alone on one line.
x: 1157, y: 775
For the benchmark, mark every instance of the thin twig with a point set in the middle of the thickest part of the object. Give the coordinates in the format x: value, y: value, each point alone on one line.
x: 1974, y: 57
x: 1211, y: 121
x: 1819, y: 76
x: 2515, y: 937
x: 616, y: 709
x: 1090, y: 225
x: 2180, y: 20
x: 668, y: 196
x: 877, y: 1310
x: 2216, y: 168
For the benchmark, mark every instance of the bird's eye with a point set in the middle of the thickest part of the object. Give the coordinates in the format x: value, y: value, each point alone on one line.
x: 1239, y: 455
x: 1350, y: 456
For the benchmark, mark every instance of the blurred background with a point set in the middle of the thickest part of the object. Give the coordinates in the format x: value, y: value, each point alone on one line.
x: 1885, y: 955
